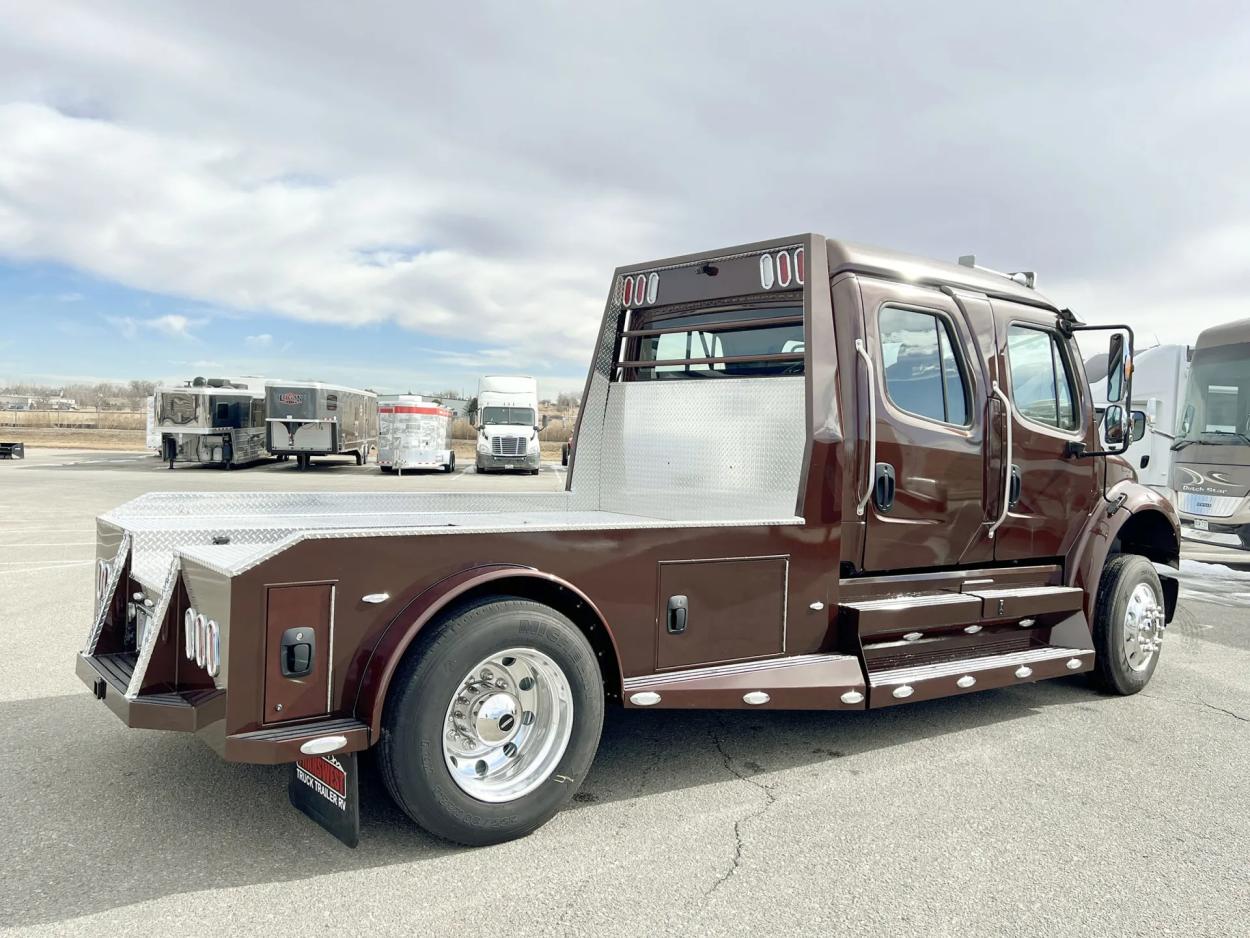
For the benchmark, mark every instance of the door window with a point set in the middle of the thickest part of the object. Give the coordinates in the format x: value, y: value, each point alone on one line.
x: 923, y: 375
x: 1041, y: 379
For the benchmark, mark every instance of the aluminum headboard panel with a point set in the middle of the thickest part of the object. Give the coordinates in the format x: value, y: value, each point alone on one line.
x: 710, y: 449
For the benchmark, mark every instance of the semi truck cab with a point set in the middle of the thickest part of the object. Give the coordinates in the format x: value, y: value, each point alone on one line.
x: 809, y: 475
x: 507, y: 424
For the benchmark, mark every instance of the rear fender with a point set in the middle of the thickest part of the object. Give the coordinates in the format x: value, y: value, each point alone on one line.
x: 1134, y: 519
x: 506, y: 579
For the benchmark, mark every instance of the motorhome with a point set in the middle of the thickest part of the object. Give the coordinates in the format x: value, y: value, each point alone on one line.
x: 889, y: 487
x: 211, y: 421
x: 507, y: 424
x: 1159, y: 376
x: 1211, y: 454
x: 313, y: 419
x: 414, y: 433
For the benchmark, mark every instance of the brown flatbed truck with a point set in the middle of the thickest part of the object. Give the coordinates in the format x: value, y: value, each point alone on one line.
x: 808, y: 474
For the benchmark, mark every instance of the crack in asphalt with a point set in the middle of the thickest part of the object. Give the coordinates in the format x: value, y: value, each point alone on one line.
x: 1235, y: 716
x: 770, y: 798
x: 1197, y: 700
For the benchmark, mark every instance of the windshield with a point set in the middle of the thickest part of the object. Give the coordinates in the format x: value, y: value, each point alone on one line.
x: 1217, y: 397
x: 514, y: 416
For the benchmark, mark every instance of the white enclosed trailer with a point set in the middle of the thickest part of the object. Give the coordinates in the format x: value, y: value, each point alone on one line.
x: 507, y: 419
x: 414, y: 434
x: 312, y: 419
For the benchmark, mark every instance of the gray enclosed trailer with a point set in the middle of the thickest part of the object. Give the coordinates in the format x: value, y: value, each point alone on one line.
x: 211, y: 421
x: 311, y: 419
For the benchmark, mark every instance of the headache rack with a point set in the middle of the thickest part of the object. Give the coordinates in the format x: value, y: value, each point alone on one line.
x: 646, y: 354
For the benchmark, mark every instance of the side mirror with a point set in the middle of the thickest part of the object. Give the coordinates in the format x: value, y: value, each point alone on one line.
x: 1115, y: 369
x: 1113, y: 425
x: 1139, y: 424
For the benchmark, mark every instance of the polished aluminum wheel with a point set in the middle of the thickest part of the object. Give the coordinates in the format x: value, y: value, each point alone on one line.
x: 1143, y: 627
x: 508, y: 725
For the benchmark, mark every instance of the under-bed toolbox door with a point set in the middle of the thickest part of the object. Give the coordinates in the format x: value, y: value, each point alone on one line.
x: 298, y: 620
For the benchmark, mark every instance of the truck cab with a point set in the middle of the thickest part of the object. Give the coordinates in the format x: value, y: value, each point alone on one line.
x: 809, y: 475
x: 507, y: 424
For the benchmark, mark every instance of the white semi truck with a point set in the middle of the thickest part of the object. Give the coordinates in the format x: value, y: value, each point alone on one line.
x: 507, y: 424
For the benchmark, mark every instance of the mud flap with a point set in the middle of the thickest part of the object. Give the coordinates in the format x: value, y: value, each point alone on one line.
x: 327, y: 789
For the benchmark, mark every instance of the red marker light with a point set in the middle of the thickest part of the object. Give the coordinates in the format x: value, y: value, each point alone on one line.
x: 627, y: 292
x: 783, y: 269
x: 640, y: 289
x: 800, y: 265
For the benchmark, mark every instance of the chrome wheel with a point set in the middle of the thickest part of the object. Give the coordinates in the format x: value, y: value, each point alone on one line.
x: 1143, y: 627
x: 508, y: 725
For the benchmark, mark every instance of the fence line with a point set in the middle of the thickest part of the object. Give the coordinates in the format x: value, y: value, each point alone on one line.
x: 74, y: 419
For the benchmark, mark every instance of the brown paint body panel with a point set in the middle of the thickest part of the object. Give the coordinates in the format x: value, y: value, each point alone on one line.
x: 303, y: 606
x: 736, y: 610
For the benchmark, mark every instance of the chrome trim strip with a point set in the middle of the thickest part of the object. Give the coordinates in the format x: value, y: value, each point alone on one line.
x: 330, y: 651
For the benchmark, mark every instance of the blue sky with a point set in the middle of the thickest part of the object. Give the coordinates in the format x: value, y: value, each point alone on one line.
x: 62, y: 325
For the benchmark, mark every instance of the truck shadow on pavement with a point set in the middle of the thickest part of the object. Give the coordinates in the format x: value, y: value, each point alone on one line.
x: 102, y: 817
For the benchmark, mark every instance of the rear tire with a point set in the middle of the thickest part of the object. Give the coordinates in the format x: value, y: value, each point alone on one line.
x: 417, y: 752
x: 1128, y: 625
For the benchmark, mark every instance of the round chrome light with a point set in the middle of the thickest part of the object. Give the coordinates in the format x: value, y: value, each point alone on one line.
x: 188, y: 634
x: 201, y: 639
x: 212, y: 655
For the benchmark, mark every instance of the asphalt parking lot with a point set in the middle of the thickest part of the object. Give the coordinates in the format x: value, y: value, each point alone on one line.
x: 1037, y: 810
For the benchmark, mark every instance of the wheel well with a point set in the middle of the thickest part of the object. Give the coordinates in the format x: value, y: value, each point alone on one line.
x: 566, y: 602
x: 1150, y: 534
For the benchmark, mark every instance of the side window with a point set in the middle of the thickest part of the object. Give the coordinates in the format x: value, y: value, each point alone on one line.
x: 923, y: 375
x: 1041, y: 380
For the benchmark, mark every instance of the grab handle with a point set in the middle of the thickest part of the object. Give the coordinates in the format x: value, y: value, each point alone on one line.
x: 872, y: 425
x: 1002, y: 516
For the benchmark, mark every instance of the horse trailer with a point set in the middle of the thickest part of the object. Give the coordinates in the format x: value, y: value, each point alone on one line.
x: 311, y: 419
x: 211, y: 421
x: 414, y: 434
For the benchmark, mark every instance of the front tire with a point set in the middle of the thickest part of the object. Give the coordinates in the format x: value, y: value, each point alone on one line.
x: 1128, y: 625
x: 492, y: 722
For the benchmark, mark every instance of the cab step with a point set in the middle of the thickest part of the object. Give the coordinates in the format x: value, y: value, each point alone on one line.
x: 801, y: 682
x: 961, y: 676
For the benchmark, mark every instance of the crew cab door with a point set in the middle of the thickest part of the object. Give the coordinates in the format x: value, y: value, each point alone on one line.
x: 930, y: 383
x: 1052, y: 492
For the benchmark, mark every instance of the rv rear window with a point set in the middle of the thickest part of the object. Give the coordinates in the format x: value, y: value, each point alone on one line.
x: 736, y: 343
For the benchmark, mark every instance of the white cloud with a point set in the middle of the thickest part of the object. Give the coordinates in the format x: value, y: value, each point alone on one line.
x: 168, y: 148
x: 171, y: 325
